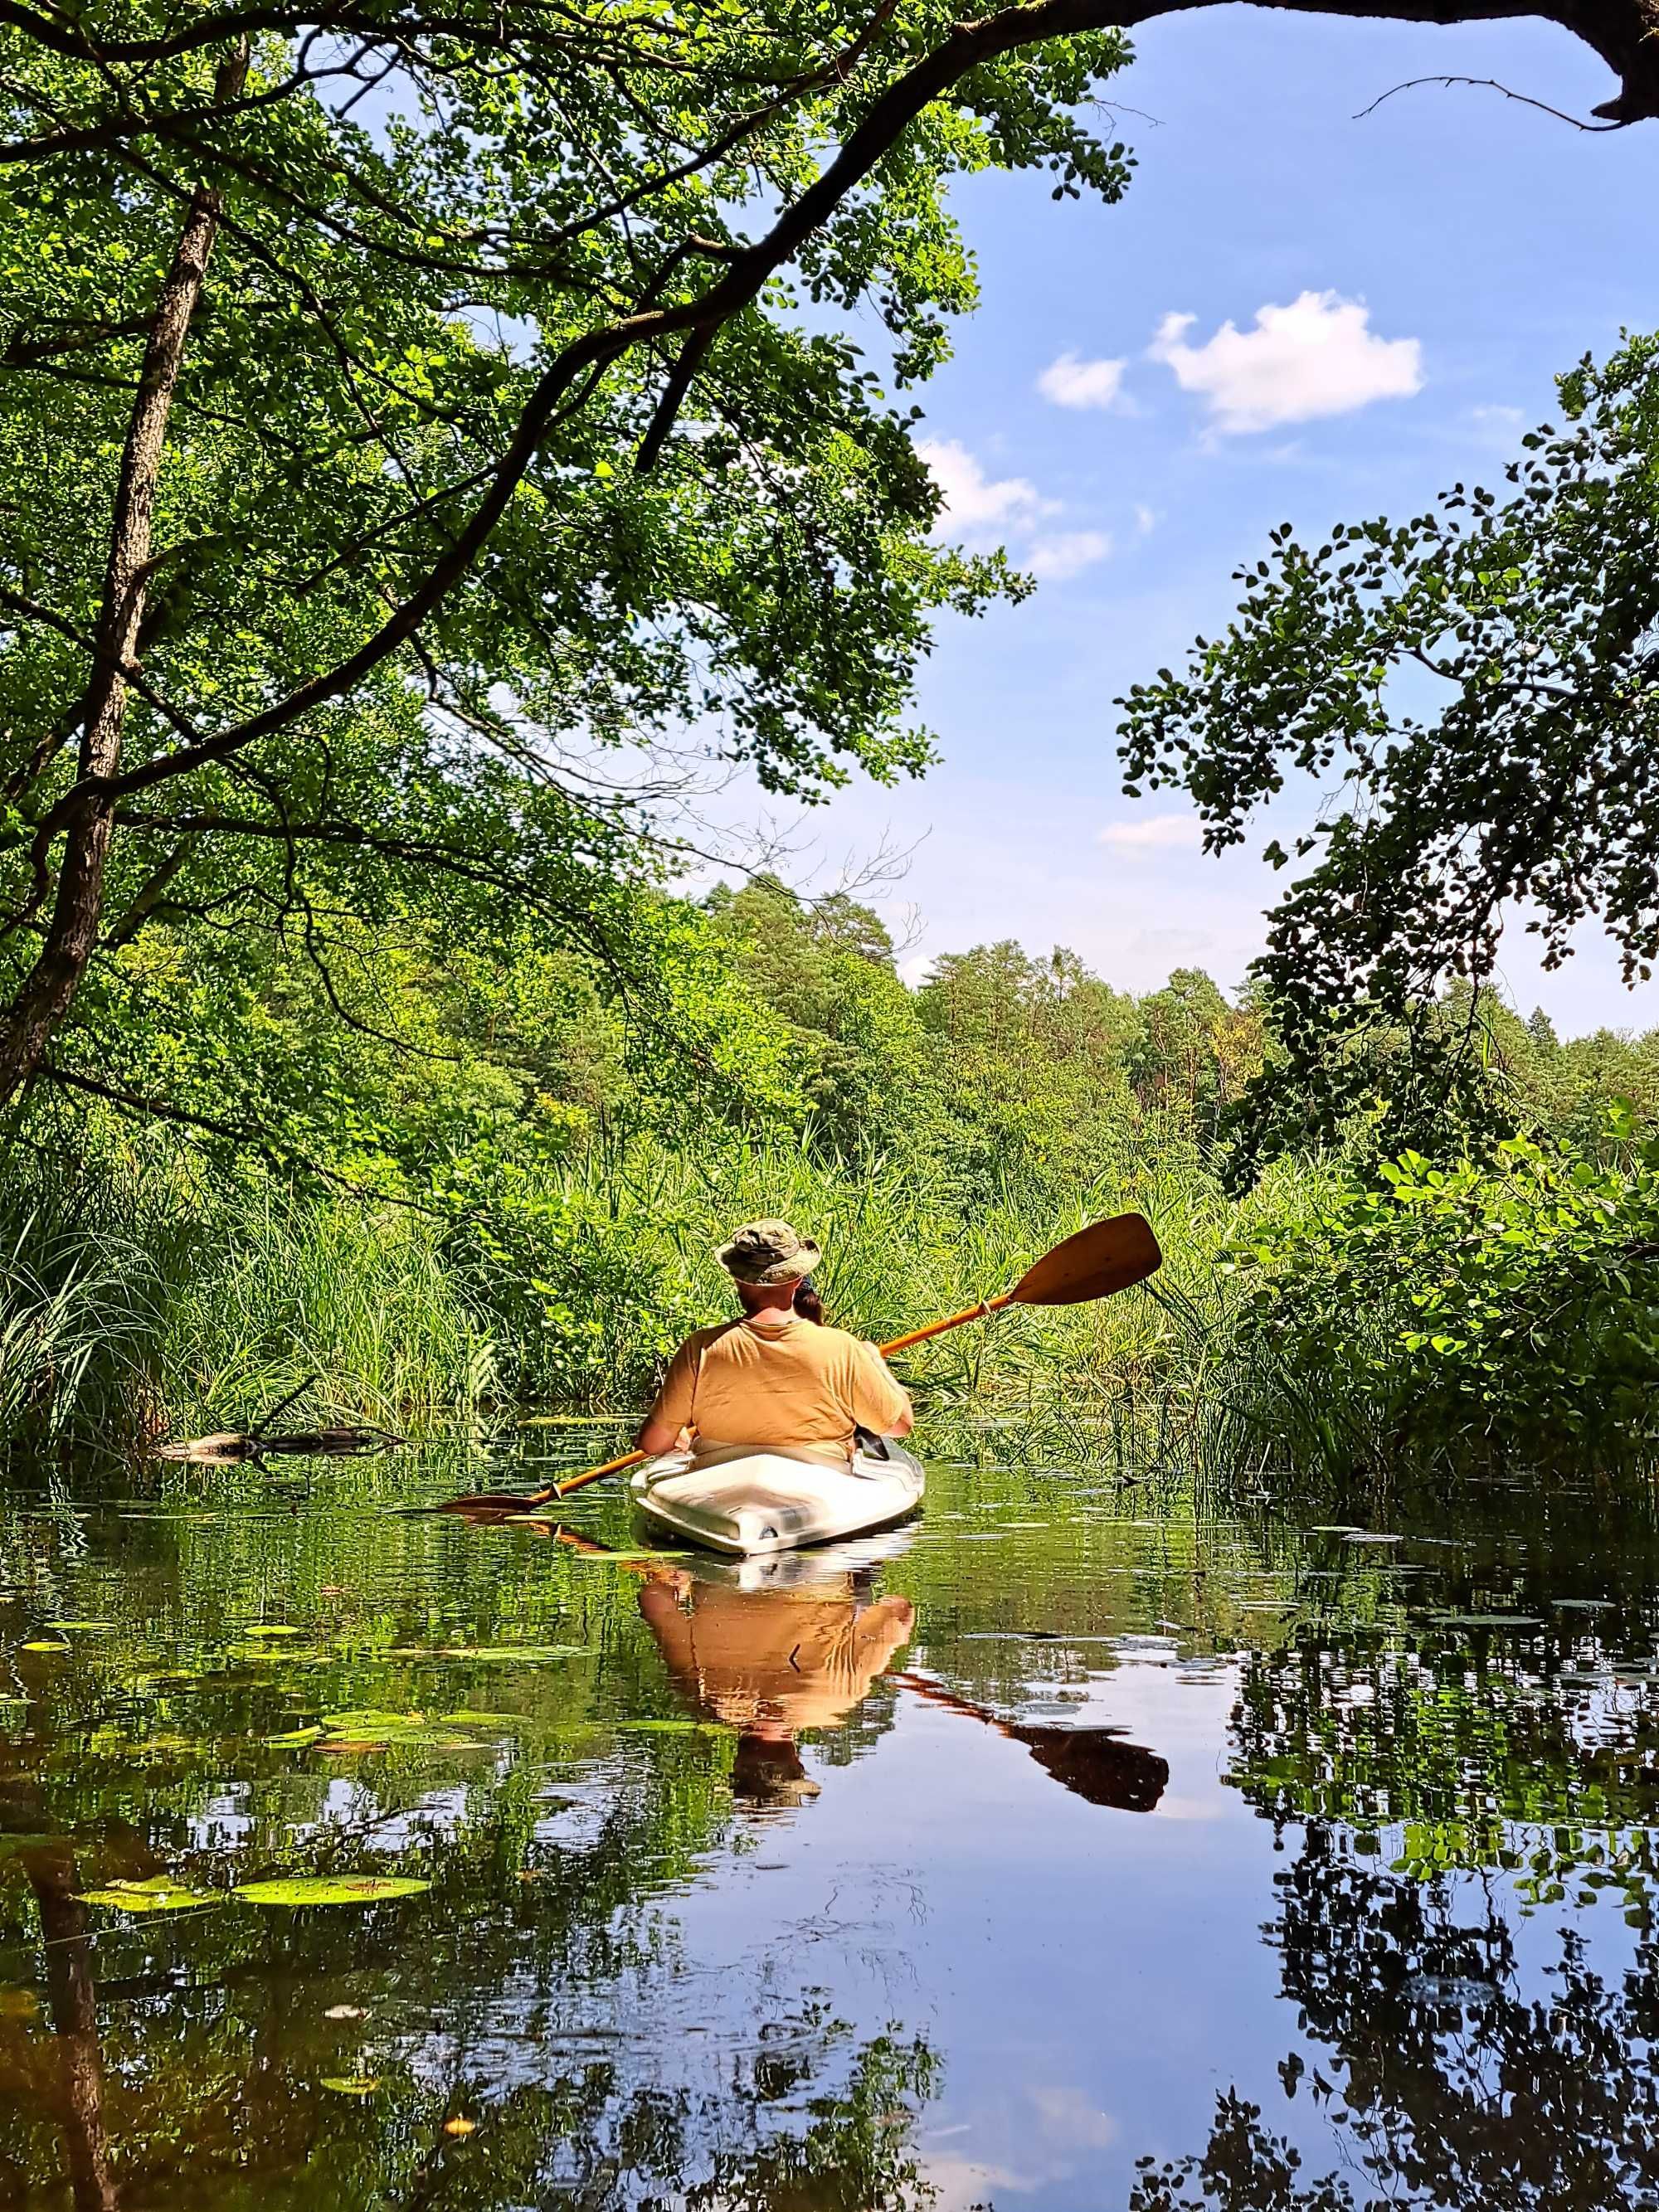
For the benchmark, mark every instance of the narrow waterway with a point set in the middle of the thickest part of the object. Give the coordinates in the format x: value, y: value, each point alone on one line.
x: 1063, y: 1851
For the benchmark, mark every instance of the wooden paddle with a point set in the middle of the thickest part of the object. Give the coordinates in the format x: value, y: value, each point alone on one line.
x: 1105, y: 1257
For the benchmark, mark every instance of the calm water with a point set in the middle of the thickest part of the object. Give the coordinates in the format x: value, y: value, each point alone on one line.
x: 1052, y: 1854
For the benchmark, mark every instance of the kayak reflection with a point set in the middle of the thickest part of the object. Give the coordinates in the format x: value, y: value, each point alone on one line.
x: 775, y: 1663
x: 772, y: 1663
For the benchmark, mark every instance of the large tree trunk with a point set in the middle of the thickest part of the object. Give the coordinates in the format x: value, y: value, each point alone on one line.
x: 71, y: 933
x: 75, y: 2019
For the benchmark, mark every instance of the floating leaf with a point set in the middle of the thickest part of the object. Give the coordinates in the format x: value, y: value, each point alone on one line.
x: 1369, y: 1536
x: 270, y: 1628
x: 674, y: 1728
x: 490, y: 1653
x: 84, y: 1627
x: 399, y: 1740
x: 610, y: 1557
x: 330, y: 1889
x: 158, y: 1892
x: 370, y: 1720
x: 351, y: 2085
x: 293, y: 1739
x: 41, y: 1643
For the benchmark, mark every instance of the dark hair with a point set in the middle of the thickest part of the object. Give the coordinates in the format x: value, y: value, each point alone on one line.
x: 808, y: 1304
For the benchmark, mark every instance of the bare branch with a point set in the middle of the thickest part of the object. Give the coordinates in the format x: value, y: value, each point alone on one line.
x: 1491, y: 84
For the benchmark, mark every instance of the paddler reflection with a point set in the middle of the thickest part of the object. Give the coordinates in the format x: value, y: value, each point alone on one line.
x: 774, y: 1664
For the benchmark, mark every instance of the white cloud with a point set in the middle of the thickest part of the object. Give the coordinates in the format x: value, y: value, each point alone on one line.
x: 982, y: 511
x: 1153, y: 833
x: 1145, y: 520
x: 1318, y: 357
x: 976, y: 506
x: 1066, y: 552
x: 1070, y: 382
x: 1071, y: 2118
x: 1497, y: 428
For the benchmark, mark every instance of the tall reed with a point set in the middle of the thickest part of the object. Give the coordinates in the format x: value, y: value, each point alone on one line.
x: 143, y: 1296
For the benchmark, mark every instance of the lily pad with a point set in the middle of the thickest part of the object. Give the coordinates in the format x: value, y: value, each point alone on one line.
x: 83, y: 1627
x: 351, y: 2085
x: 619, y: 1557
x: 158, y: 1892
x: 490, y: 1653
x: 330, y: 1889
x: 43, y: 1644
x: 270, y: 1628
x: 370, y: 1720
x: 294, y: 1739
x: 398, y: 1740
x: 674, y: 1728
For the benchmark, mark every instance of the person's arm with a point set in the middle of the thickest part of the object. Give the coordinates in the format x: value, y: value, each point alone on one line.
x: 878, y: 1402
x: 660, y: 1429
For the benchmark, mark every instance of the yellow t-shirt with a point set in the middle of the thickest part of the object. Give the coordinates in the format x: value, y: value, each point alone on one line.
x: 789, y: 1382
x: 749, y: 1658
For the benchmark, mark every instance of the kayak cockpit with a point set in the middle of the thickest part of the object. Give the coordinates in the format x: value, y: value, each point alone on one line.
x: 764, y: 1501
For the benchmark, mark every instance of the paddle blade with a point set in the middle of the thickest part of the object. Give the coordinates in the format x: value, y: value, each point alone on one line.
x: 1095, y: 1765
x: 1107, y: 1256
x: 485, y: 1502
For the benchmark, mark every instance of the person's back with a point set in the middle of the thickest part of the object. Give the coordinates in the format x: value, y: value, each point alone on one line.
x: 772, y: 1378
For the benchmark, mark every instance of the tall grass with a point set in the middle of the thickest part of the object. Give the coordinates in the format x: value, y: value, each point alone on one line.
x: 354, y: 1295
x: 135, y: 1299
x: 620, y: 1250
x: 137, y: 1296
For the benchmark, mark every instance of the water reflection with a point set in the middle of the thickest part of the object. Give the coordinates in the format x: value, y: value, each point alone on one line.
x: 1094, y: 1764
x: 771, y: 1663
x: 1384, y: 1884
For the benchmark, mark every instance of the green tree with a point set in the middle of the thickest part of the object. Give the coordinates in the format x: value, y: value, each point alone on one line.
x: 1484, y: 676
x: 364, y: 477
x: 826, y: 968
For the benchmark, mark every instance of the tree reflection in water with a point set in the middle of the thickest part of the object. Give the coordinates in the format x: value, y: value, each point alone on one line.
x: 1457, y: 2083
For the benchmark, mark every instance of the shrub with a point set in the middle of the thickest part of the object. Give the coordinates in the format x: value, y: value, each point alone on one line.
x: 1506, y: 1307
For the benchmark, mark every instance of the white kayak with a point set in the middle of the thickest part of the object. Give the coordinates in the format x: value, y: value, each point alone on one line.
x: 764, y: 1502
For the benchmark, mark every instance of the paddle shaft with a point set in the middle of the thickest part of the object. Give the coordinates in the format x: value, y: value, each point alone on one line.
x: 577, y: 1481
x: 898, y: 1344
x: 955, y: 1321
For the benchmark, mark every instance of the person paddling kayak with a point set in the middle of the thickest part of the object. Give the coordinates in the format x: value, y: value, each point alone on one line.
x: 774, y: 1380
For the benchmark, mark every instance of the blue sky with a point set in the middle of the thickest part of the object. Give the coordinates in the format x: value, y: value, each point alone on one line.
x: 1472, y: 248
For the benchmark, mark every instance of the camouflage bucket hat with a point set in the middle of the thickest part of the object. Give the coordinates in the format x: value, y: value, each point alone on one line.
x: 769, y: 1252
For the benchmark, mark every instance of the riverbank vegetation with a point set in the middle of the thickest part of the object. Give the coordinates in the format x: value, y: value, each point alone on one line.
x: 515, y: 1181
